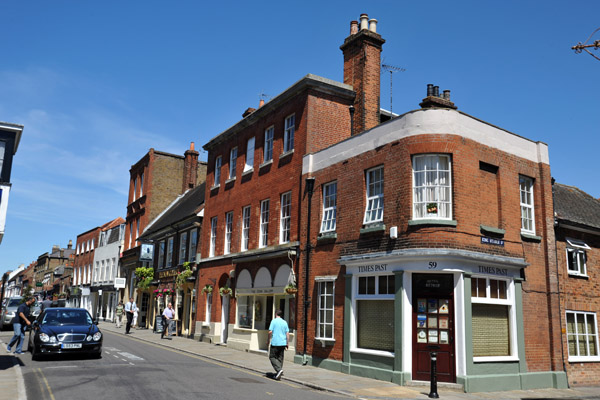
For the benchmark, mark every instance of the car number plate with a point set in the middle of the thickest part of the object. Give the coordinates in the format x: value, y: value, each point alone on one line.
x: 71, y: 346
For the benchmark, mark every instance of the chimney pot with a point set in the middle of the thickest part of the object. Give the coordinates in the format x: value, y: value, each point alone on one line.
x: 192, y: 146
x: 446, y: 95
x: 436, y: 91
x: 353, y: 27
x: 429, y: 89
x: 261, y: 103
x: 373, y: 25
x: 364, y: 21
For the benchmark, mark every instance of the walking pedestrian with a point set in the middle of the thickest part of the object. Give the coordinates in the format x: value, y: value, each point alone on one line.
x: 119, y: 314
x: 20, y: 321
x: 135, y: 316
x: 279, y: 336
x: 167, y: 316
x: 47, y: 303
x: 129, y: 307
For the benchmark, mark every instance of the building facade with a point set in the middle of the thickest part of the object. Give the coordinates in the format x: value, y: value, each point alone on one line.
x: 106, y: 269
x: 47, y: 272
x: 155, y: 181
x: 10, y: 136
x: 81, y: 293
x: 577, y: 226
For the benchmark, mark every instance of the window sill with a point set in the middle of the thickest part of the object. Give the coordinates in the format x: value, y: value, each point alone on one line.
x: 584, y: 359
x: 530, y: 237
x: 492, y: 231
x: 443, y: 222
x: 228, y: 181
x: 327, y: 237
x: 576, y: 275
x: 265, y: 164
x: 215, y: 187
x: 286, y: 154
x: 495, y: 359
x: 325, y: 342
x: 371, y: 228
x: 248, y: 171
x: 373, y: 352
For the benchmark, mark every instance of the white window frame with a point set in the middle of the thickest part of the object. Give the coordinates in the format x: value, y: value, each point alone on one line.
x: 249, y: 164
x: 182, y: 247
x: 328, y: 222
x: 264, y: 223
x: 228, y: 232
x: 193, y: 245
x: 512, y: 316
x: 321, y: 297
x: 213, y: 237
x: 422, y: 193
x: 374, y: 206
x: 268, y: 149
x: 356, y: 297
x: 579, y: 358
x: 288, y: 133
x: 526, y: 187
x: 285, y: 218
x: 218, y: 162
x: 232, y: 163
x: 245, y: 240
x: 576, y: 249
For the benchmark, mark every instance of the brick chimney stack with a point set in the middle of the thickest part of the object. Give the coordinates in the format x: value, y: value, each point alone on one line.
x: 362, y: 66
x: 190, y: 168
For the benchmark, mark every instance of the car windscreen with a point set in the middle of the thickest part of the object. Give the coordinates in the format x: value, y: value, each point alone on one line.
x: 67, y: 317
x: 14, y: 302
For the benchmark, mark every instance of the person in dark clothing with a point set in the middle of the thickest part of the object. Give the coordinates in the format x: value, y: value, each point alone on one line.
x: 20, y: 321
x: 47, y: 303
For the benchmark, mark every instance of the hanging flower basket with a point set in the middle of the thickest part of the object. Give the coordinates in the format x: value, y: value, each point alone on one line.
x: 158, y: 293
x: 168, y: 292
x: 432, y: 208
x: 207, y: 289
x: 225, y: 291
x: 291, y: 289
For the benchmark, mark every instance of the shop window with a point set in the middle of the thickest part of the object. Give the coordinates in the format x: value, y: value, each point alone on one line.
x: 582, y: 336
x: 244, y: 312
x: 375, y: 313
x: 492, y: 316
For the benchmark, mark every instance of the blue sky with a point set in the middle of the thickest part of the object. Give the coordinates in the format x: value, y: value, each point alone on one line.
x: 97, y: 84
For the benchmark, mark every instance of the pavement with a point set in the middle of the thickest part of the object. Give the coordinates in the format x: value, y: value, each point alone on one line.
x: 12, y: 386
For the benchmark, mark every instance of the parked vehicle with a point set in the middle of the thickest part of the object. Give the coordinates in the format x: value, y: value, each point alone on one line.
x: 10, y: 310
x: 63, y: 331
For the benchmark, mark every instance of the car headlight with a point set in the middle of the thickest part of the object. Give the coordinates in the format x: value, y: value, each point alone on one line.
x: 53, y: 339
x: 97, y: 336
x: 44, y: 337
x: 10, y: 314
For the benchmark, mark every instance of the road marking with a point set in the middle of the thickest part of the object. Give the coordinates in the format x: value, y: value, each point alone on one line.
x: 39, y: 371
x: 130, y: 356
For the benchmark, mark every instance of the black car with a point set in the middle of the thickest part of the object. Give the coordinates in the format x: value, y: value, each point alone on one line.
x: 65, y: 330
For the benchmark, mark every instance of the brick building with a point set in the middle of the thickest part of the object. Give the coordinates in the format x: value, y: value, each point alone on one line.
x: 85, y: 246
x: 251, y: 241
x: 47, y: 271
x: 155, y: 181
x: 577, y: 228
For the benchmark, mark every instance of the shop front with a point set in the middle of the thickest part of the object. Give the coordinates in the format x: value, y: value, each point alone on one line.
x: 257, y: 300
x: 464, y: 306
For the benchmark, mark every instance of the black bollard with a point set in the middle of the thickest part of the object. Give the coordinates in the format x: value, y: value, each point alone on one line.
x: 433, y: 394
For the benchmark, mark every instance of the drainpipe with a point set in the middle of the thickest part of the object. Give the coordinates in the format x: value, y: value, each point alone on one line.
x: 351, y: 110
x: 310, y: 184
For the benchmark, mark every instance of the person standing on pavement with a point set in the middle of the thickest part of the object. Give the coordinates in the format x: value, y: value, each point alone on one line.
x: 279, y: 336
x: 129, y: 307
x: 167, y: 317
x: 135, y: 317
x: 20, y: 321
x: 119, y: 314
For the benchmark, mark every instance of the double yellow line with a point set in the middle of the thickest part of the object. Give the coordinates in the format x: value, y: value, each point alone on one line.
x: 43, y: 381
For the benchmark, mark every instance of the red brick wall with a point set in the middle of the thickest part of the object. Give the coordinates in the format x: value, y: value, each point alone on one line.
x: 579, y: 294
x: 478, y: 199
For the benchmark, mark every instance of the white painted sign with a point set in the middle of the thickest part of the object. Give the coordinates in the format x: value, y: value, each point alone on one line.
x: 120, y: 283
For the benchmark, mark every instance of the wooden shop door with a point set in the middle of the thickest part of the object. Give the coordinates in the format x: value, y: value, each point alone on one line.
x: 433, y: 326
